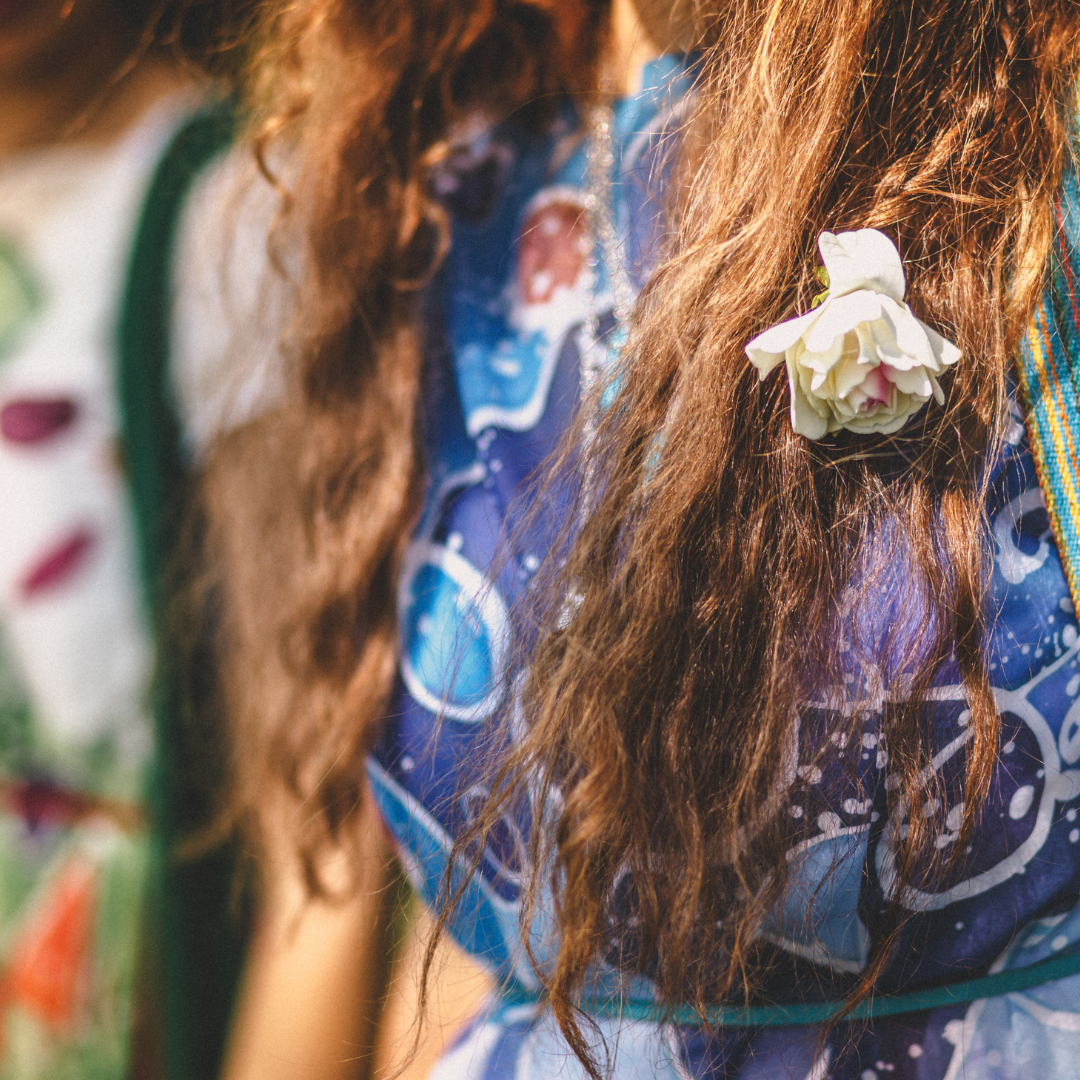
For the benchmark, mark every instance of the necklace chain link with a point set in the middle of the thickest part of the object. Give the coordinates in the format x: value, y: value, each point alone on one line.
x: 606, y: 258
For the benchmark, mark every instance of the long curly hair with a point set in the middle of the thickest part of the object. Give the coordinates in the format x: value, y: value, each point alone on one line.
x: 715, y: 552
x: 307, y: 509
x: 716, y: 561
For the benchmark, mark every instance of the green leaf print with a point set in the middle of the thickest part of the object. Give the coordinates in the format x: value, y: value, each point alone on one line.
x: 20, y: 297
x: 16, y: 721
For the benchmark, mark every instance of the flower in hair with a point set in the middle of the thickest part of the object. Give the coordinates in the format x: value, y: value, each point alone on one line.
x: 860, y: 359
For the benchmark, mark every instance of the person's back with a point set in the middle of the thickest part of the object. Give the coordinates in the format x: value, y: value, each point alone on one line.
x: 779, y: 675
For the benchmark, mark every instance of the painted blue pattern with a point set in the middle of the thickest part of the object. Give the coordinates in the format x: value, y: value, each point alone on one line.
x: 515, y: 293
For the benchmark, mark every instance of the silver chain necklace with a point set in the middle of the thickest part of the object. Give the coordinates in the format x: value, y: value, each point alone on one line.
x: 606, y: 257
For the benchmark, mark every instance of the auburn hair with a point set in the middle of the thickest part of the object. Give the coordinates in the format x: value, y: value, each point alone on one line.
x: 714, y: 555
x: 723, y: 570
x: 306, y: 510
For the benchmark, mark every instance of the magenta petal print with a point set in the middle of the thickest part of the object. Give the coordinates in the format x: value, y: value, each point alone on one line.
x: 57, y: 565
x: 33, y: 420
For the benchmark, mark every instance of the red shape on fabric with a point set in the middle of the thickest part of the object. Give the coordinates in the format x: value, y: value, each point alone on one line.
x: 33, y: 420
x: 42, y: 802
x: 57, y: 565
x: 552, y: 251
x: 50, y: 959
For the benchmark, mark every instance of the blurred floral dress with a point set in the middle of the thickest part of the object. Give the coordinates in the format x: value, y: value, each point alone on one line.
x: 75, y: 650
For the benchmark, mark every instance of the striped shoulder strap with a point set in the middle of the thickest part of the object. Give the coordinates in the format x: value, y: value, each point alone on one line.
x: 1049, y: 366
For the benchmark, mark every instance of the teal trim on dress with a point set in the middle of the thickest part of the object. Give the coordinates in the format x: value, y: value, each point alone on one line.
x: 997, y: 984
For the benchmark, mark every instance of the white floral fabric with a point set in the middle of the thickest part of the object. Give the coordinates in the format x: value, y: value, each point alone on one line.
x: 75, y: 652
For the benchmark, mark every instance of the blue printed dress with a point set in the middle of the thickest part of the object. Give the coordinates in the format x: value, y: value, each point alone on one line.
x: 513, y: 309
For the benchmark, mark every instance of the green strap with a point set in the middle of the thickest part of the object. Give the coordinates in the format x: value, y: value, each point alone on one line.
x: 199, y: 946
x: 1059, y: 966
x: 151, y: 430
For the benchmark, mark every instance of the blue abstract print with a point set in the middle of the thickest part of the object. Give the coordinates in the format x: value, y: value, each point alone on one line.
x: 513, y: 302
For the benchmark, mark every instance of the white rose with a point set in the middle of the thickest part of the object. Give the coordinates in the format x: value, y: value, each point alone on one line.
x: 861, y: 360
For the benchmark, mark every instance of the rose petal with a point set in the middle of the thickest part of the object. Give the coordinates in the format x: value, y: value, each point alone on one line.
x: 939, y: 397
x: 805, y: 419
x: 768, y: 348
x: 877, y: 345
x: 912, y: 381
x: 914, y: 345
x: 944, y: 350
x: 811, y: 382
x: 852, y: 373
x: 817, y: 387
x: 885, y: 334
x: 883, y: 424
x: 764, y: 362
x: 839, y: 315
x: 877, y: 388
x: 822, y: 362
x: 863, y: 259
x: 847, y: 408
